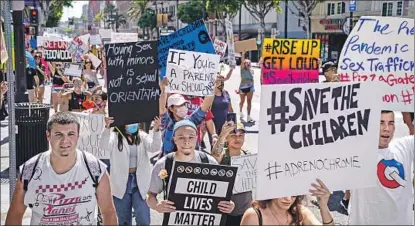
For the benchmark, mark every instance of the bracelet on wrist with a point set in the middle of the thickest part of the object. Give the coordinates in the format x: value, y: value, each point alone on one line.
x: 329, y: 222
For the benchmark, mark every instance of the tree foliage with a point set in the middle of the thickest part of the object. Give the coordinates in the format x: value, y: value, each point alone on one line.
x: 223, y: 8
x: 137, y: 8
x: 148, y: 19
x: 190, y: 11
x: 55, y: 13
x: 260, y: 8
x: 303, y: 10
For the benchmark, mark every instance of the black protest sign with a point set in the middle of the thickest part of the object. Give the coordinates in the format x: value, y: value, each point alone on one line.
x: 132, y: 81
x: 196, y: 190
x: 56, y: 51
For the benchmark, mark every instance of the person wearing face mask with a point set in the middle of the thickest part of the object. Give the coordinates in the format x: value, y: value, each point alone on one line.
x: 131, y: 169
x: 185, y: 139
x: 246, y: 88
x: 76, y: 96
x: 176, y: 111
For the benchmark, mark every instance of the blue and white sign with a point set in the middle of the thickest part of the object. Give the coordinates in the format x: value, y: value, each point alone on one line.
x: 193, y: 37
x: 352, y: 6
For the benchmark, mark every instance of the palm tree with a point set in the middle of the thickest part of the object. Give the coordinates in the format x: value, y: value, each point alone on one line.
x: 137, y: 8
x: 117, y: 20
x: 109, y: 10
x: 100, y: 17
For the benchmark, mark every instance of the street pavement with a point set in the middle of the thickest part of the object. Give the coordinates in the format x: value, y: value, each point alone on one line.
x: 251, y: 144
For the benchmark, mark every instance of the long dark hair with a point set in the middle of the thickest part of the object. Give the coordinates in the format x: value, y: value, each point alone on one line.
x: 294, y: 210
x: 135, y: 137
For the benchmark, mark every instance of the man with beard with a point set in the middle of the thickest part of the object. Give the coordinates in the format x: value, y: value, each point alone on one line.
x: 63, y: 185
x: 185, y: 138
x: 391, y: 201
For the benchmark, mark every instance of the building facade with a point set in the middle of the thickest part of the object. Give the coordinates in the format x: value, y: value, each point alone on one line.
x: 330, y: 21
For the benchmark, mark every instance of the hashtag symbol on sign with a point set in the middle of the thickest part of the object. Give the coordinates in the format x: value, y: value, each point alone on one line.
x: 268, y: 47
x: 407, y: 98
x: 272, y: 170
x: 273, y: 111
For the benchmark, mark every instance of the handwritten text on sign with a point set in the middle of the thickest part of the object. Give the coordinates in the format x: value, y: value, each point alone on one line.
x: 193, y: 37
x: 288, y: 61
x: 133, y: 89
x: 381, y: 50
x: 220, y: 47
x: 247, y: 173
x: 56, y: 51
x: 192, y: 73
x: 92, y: 126
x: 196, y: 190
x: 230, y: 42
x: 317, y: 127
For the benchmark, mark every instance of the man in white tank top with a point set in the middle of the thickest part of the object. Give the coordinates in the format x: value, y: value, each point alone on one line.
x: 63, y: 185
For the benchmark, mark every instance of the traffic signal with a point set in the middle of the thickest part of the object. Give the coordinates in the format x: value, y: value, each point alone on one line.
x: 34, y: 16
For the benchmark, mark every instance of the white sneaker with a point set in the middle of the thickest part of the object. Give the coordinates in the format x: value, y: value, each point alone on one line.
x: 241, y: 115
x: 249, y: 119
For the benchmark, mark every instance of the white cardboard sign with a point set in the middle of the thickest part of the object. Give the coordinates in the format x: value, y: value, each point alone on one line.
x: 74, y: 70
x: 230, y: 42
x: 328, y: 131
x: 192, y: 73
x: 92, y: 126
x: 381, y: 50
x: 123, y: 37
x: 246, y: 178
x: 94, y: 60
x: 220, y: 47
x: 95, y: 40
x: 105, y: 33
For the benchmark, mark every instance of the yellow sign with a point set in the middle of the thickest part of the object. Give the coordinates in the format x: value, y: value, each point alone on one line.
x: 3, y: 51
x: 288, y: 61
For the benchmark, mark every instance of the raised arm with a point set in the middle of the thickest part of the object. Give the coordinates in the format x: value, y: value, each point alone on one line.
x: 163, y: 96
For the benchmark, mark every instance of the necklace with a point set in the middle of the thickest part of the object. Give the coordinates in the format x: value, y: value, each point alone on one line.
x: 276, y: 218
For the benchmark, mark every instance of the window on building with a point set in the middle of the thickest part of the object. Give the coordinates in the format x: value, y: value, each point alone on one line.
x: 399, y: 8
x: 330, y: 8
x: 387, y: 8
x: 341, y: 7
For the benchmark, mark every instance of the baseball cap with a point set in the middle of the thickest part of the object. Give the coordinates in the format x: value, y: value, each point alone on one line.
x: 176, y: 99
x: 183, y: 123
x: 328, y: 65
x: 240, y: 126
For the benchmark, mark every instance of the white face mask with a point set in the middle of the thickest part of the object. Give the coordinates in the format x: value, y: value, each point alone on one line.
x: 182, y: 111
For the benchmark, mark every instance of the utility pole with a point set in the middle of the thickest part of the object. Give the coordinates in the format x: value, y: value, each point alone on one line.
x: 11, y: 95
x: 177, y: 19
x: 286, y: 19
x: 19, y: 50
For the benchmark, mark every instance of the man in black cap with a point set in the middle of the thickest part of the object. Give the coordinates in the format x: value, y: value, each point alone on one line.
x: 330, y: 72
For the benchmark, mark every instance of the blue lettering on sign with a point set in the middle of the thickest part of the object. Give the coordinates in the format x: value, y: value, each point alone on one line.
x: 372, y: 48
x: 378, y: 28
x: 403, y: 27
x: 193, y: 37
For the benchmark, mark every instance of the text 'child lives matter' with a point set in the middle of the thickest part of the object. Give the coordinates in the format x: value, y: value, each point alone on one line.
x: 133, y: 88
x: 192, y: 73
x: 196, y: 190
x: 316, y: 127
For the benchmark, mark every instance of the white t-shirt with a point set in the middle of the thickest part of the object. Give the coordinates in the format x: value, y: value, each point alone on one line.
x: 63, y: 199
x: 391, y: 201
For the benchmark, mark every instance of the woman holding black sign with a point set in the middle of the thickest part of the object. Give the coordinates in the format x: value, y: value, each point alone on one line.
x: 130, y: 171
x: 289, y: 210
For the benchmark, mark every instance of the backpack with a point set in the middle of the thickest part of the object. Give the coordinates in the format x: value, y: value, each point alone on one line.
x: 29, y: 169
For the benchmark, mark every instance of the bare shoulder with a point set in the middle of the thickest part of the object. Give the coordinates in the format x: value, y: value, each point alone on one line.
x: 250, y: 217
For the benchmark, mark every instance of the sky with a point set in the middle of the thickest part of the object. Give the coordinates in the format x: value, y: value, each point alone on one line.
x: 75, y: 11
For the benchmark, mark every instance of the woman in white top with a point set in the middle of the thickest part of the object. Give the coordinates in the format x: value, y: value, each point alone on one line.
x: 90, y: 76
x: 130, y: 168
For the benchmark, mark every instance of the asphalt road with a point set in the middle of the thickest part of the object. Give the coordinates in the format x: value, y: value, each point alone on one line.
x: 251, y: 144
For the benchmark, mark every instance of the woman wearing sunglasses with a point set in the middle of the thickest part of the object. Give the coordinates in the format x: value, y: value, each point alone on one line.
x: 41, y: 74
x: 290, y: 210
x: 90, y: 75
x: 246, y: 88
x: 58, y: 80
x: 76, y: 96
